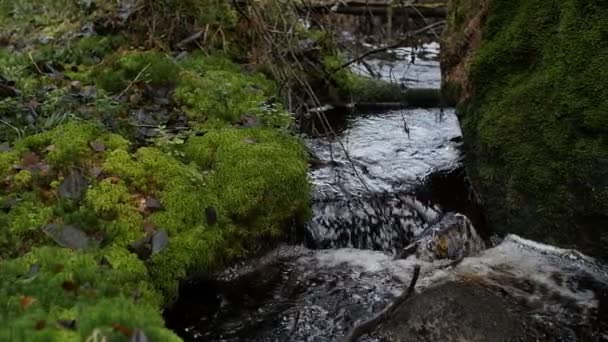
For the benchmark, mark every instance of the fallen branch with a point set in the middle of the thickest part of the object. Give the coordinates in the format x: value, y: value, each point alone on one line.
x: 135, y: 80
x: 402, y: 42
x: 370, y: 324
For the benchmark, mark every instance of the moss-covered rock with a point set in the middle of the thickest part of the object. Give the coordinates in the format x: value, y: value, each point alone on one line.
x: 229, y: 193
x: 535, y: 115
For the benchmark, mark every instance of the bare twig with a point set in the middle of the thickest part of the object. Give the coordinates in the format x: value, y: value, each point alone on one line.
x: 135, y: 80
x: 400, y: 43
x: 370, y: 324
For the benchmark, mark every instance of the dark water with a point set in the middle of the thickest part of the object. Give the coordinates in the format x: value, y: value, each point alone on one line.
x: 393, y: 185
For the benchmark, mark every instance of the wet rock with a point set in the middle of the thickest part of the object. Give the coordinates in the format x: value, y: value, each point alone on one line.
x: 463, y: 312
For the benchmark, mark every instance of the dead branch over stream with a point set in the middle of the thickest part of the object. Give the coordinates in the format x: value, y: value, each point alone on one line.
x: 369, y: 325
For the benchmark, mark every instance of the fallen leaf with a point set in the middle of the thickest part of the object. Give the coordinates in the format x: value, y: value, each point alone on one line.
x: 96, y: 171
x: 67, y: 324
x: 67, y: 236
x: 149, y: 227
x: 26, y: 301
x: 122, y: 329
x: 73, y: 186
x: 160, y: 241
x: 29, y: 160
x: 97, y: 146
x: 32, y: 273
x: 153, y: 204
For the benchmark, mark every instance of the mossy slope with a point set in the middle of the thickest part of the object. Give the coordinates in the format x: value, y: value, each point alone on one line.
x: 535, y: 117
x: 98, y: 222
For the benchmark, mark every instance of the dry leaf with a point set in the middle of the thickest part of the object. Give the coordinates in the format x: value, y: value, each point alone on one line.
x: 26, y: 301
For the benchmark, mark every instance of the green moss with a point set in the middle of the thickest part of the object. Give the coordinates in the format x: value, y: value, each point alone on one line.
x: 219, y: 94
x: 538, y: 119
x: 23, y: 179
x: 71, y: 143
x: 90, y: 50
x: 351, y: 87
x: 119, y: 209
x: 154, y: 68
x: 71, y: 285
x: 258, y: 174
x: 198, y: 249
x: 27, y: 215
x: 7, y: 160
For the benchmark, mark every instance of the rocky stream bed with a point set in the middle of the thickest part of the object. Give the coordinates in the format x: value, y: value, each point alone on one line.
x: 389, y: 195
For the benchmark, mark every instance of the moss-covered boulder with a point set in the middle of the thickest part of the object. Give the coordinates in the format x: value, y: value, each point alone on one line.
x: 90, y: 226
x: 530, y: 75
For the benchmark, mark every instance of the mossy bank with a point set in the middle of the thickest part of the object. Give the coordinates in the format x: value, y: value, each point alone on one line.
x: 126, y: 168
x: 530, y: 76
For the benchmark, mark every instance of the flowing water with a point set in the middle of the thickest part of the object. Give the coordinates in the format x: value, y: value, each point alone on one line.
x: 385, y: 200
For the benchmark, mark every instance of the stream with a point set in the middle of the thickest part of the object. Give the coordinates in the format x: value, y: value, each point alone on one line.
x: 390, y: 194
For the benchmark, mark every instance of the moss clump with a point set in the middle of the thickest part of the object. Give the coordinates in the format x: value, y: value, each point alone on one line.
x: 258, y: 174
x: 153, y: 68
x: 99, y: 291
x: 537, y: 120
x: 212, y: 88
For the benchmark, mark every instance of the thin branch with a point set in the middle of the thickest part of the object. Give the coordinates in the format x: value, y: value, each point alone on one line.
x: 372, y: 323
x: 135, y: 80
x: 389, y: 47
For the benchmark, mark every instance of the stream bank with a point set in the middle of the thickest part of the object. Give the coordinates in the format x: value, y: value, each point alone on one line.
x: 533, y: 107
x: 389, y: 195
